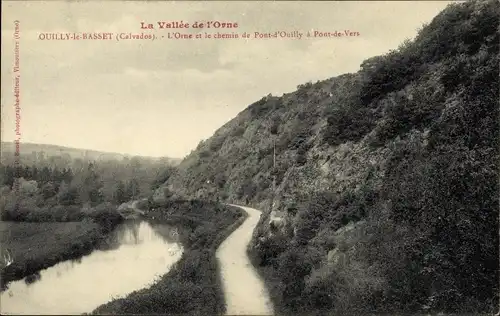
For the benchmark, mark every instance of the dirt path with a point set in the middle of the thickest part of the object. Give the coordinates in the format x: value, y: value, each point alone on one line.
x: 244, y: 290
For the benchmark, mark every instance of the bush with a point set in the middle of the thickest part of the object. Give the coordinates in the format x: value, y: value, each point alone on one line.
x: 347, y: 124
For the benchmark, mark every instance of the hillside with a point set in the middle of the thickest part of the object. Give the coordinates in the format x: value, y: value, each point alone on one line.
x: 386, y: 179
x: 37, y: 151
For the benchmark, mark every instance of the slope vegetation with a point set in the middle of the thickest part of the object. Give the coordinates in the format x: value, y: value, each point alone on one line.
x: 386, y: 180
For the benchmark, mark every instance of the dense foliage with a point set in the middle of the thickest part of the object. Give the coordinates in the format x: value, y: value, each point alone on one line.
x: 56, y: 189
x: 386, y: 180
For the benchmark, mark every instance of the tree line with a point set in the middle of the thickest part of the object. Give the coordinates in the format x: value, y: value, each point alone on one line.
x: 35, y: 191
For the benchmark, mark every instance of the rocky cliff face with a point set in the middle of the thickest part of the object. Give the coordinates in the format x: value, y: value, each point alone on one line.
x: 385, y: 181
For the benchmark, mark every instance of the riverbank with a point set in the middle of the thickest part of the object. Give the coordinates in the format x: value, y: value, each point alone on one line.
x: 37, y: 246
x: 193, y: 285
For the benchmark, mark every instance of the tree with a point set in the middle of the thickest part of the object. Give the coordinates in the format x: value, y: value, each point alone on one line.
x: 67, y: 195
x: 48, y: 190
x: 45, y: 175
x: 27, y: 173
x: 34, y: 173
x: 9, y: 176
x: 132, y: 189
x: 120, y: 195
x: 57, y: 175
x: 95, y: 196
x: 89, y: 184
x: 67, y: 175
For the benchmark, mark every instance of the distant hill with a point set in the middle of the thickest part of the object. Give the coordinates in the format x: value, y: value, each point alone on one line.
x: 47, y: 150
x: 385, y: 194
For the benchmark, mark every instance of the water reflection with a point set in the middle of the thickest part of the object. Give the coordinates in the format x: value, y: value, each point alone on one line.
x: 134, y: 255
x: 168, y: 232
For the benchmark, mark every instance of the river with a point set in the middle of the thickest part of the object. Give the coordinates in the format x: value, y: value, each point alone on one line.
x: 133, y: 256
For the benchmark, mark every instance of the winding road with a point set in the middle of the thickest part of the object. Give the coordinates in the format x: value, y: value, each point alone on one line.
x: 244, y: 290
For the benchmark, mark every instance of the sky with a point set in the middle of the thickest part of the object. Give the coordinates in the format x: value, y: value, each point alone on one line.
x: 162, y: 97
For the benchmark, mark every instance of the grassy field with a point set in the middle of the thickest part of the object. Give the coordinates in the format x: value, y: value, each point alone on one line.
x: 193, y: 285
x: 36, y: 246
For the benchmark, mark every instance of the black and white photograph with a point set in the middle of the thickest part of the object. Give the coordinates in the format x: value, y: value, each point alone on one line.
x: 316, y: 158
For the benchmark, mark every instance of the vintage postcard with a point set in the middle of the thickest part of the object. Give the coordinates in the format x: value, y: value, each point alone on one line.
x: 249, y: 158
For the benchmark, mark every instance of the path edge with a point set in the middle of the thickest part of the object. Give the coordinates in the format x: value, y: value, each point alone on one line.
x: 221, y: 237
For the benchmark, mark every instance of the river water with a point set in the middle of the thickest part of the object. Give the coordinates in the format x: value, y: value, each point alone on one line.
x: 132, y: 258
